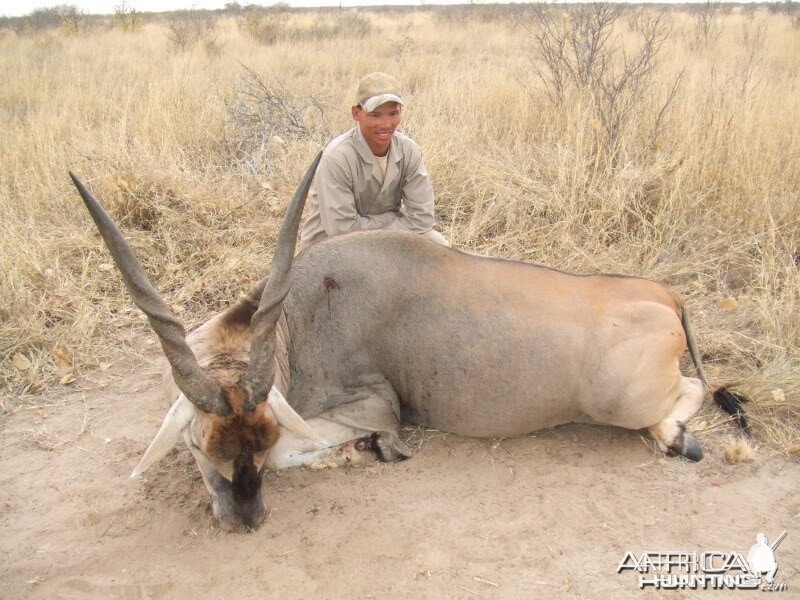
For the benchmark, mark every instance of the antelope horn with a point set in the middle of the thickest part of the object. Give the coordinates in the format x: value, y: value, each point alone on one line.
x: 288, y: 417
x: 261, y: 371
x: 198, y: 387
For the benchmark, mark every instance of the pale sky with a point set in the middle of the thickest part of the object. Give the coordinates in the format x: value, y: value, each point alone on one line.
x: 14, y: 8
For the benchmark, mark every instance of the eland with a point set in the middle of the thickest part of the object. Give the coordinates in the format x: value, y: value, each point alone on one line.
x: 325, y: 359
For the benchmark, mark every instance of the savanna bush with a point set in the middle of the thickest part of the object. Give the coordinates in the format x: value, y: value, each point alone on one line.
x: 708, y: 18
x: 577, y: 52
x: 263, y: 116
x: 71, y: 20
x: 66, y: 17
x: 265, y: 25
x: 187, y: 28
x: 127, y: 18
x: 341, y: 25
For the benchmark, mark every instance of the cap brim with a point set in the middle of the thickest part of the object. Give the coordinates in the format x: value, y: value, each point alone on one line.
x: 371, y: 104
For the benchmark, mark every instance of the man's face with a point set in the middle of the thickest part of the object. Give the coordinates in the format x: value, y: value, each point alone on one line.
x: 378, y: 126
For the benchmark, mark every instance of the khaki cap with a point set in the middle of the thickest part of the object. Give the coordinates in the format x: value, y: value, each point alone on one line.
x: 376, y: 89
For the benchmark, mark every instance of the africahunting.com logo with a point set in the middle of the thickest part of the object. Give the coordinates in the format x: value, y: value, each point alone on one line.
x: 672, y: 570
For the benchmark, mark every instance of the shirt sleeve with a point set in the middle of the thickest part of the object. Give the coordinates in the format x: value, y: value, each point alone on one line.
x: 417, y: 197
x: 337, y: 205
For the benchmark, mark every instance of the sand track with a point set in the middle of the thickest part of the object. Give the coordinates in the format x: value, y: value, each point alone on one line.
x: 549, y: 515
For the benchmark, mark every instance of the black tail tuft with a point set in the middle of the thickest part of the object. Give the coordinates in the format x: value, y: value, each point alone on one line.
x: 731, y: 403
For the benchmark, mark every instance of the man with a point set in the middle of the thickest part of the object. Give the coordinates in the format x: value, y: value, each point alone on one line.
x: 371, y: 177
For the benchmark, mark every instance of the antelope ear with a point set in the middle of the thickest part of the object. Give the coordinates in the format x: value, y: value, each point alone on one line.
x: 288, y: 418
x: 177, y: 419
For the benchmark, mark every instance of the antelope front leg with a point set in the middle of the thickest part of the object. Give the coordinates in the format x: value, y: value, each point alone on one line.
x: 345, y: 446
x: 354, y: 452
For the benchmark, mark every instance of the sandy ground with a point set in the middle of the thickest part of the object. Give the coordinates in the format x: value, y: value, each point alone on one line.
x: 548, y: 515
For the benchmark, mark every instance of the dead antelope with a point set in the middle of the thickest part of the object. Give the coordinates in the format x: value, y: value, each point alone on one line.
x: 369, y: 330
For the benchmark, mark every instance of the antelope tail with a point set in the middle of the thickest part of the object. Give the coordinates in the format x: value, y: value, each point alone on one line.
x: 727, y: 400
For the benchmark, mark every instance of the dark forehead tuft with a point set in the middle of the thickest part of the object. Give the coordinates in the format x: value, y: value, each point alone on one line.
x: 241, y: 432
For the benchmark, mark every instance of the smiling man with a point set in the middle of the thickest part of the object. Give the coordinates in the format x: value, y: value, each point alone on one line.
x: 372, y: 177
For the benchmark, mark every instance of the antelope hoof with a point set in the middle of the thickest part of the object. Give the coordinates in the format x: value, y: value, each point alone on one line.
x: 388, y: 446
x: 691, y: 448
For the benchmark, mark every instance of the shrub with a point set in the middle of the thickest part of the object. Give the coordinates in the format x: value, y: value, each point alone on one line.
x: 262, y: 117
x: 576, y: 52
x: 793, y: 10
x: 708, y: 22
x: 353, y: 24
x: 342, y: 25
x: 66, y: 17
x: 126, y: 17
x: 265, y: 25
x: 71, y: 19
x: 44, y: 18
x: 186, y: 28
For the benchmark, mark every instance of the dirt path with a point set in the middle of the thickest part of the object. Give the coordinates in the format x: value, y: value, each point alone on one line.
x: 549, y: 515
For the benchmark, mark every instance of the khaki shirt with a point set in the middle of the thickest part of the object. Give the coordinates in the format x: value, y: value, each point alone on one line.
x: 350, y: 194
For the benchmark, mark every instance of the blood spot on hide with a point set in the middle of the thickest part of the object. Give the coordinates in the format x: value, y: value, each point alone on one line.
x: 330, y: 284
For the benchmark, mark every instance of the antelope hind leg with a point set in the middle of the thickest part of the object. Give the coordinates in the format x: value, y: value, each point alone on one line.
x: 670, y: 434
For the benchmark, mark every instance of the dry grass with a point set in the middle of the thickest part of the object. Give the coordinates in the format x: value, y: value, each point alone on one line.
x: 738, y: 451
x: 711, y: 206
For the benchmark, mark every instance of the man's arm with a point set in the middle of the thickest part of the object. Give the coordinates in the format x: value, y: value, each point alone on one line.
x: 337, y: 205
x: 417, y: 198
